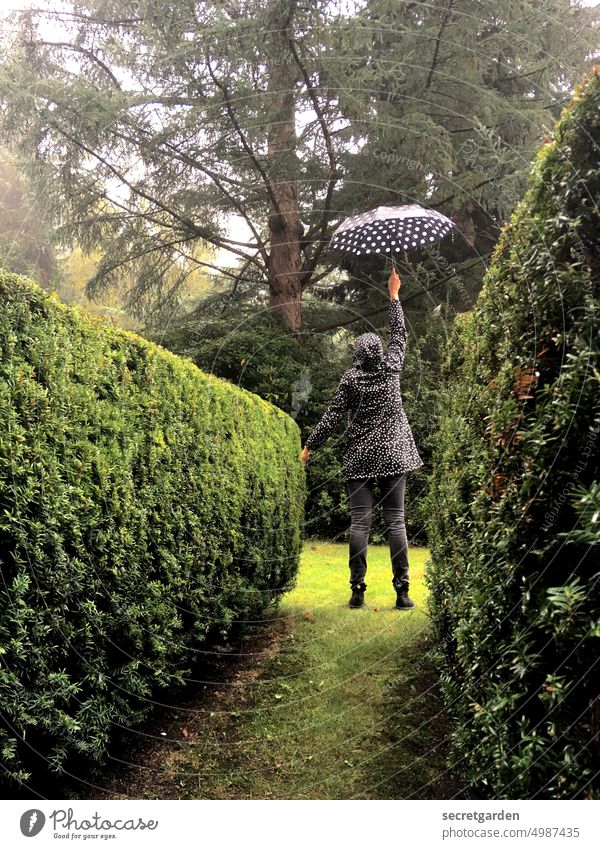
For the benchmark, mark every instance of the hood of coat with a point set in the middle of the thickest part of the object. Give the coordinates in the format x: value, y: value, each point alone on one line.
x: 367, y: 351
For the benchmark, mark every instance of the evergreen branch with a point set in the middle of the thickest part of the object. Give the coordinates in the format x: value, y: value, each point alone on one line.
x: 58, y: 15
x: 316, y: 277
x: 234, y: 289
x: 165, y: 297
x: 181, y: 157
x: 470, y: 189
x: 166, y: 100
x: 333, y: 174
x: 522, y: 75
x: 205, y: 264
x: 187, y: 223
x: 308, y: 267
x: 163, y: 246
x: 82, y: 50
x: 217, y: 180
x: 247, y: 147
x: 437, y: 44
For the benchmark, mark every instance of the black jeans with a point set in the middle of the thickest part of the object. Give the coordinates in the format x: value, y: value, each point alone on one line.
x: 360, y: 492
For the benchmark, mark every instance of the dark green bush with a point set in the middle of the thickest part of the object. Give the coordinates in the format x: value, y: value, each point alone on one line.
x: 514, y: 503
x: 144, y: 507
x: 298, y: 373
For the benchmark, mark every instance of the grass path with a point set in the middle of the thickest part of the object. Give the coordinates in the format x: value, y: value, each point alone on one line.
x: 319, y: 702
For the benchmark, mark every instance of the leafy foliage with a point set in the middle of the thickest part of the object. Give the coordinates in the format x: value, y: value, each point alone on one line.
x: 514, y: 528
x: 144, y: 507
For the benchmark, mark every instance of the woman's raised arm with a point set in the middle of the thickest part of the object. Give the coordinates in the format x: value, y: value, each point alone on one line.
x: 329, y: 420
x: 397, y: 344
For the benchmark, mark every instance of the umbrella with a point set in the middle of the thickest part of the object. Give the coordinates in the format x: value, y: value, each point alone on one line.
x: 387, y: 229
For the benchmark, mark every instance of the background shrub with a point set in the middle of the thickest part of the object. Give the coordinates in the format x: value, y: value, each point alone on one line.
x: 514, y: 500
x: 144, y: 507
x: 300, y: 373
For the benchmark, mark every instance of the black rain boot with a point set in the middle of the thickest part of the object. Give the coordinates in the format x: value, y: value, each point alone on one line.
x: 403, y: 602
x: 358, y: 596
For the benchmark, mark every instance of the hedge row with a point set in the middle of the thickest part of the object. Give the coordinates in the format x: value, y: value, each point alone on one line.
x: 515, y: 496
x: 144, y: 507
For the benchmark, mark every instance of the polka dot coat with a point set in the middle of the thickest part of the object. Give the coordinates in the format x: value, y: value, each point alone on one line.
x: 379, y: 440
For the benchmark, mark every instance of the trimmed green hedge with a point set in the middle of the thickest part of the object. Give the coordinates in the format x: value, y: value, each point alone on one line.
x: 144, y: 507
x: 515, y: 499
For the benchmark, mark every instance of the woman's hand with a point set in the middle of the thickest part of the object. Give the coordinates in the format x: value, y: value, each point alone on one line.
x: 394, y: 284
x: 305, y: 455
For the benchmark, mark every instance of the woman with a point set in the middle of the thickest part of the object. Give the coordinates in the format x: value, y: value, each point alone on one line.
x: 379, y: 447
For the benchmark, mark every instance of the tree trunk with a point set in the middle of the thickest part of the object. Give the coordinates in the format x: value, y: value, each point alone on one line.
x: 285, y: 227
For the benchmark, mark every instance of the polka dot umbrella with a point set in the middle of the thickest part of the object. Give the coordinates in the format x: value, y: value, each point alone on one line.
x: 388, y: 229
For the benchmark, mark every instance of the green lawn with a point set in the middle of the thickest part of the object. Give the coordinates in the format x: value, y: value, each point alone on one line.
x: 334, y: 704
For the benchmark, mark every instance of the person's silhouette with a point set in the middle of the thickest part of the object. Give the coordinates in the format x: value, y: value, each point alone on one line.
x: 379, y: 447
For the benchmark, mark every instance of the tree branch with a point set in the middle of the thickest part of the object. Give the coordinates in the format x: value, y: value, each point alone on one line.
x: 57, y: 14
x: 187, y: 223
x: 90, y: 55
x: 232, y: 117
x: 185, y: 158
x: 471, y: 189
x: 333, y: 175
x: 204, y: 264
x: 437, y: 44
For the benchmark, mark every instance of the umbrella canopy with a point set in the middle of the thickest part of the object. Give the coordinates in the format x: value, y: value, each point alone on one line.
x: 387, y: 229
